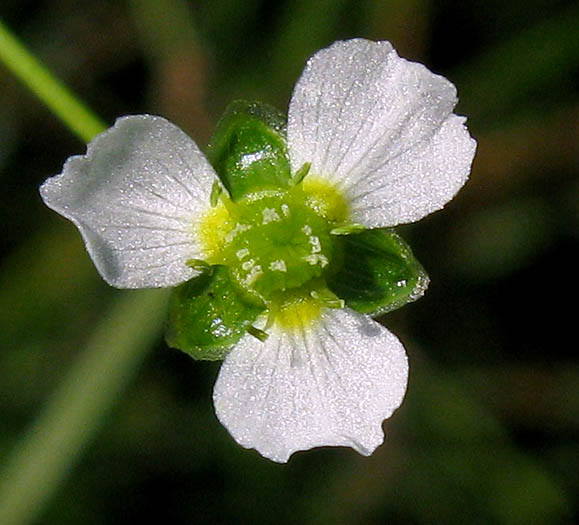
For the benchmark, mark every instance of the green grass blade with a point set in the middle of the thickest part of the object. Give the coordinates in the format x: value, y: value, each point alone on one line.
x: 59, y: 99
x: 43, y: 458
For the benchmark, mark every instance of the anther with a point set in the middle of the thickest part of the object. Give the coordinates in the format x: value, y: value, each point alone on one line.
x: 216, y: 191
x: 301, y: 173
x: 200, y: 266
x: 257, y: 333
x: 328, y: 298
x: 347, y: 229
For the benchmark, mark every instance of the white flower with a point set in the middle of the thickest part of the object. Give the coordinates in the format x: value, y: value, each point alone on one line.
x: 377, y: 128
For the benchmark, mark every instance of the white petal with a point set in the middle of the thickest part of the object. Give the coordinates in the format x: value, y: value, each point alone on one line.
x: 135, y: 196
x: 357, y: 108
x: 419, y: 181
x: 333, y: 385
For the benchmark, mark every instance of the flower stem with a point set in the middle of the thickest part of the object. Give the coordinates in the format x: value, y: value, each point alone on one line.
x: 49, y: 450
x: 59, y: 99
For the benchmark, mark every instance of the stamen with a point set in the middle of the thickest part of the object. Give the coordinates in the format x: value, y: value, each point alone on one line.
x: 257, y: 333
x: 347, y: 229
x: 273, y: 310
x: 216, y: 191
x: 300, y: 175
x: 328, y: 298
x: 200, y: 266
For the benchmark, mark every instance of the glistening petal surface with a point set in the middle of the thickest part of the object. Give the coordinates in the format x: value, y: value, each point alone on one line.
x: 135, y: 197
x: 330, y: 384
x: 357, y: 109
x: 419, y: 181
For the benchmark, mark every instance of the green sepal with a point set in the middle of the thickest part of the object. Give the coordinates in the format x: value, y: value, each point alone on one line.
x: 376, y: 272
x: 207, y: 315
x: 248, y: 149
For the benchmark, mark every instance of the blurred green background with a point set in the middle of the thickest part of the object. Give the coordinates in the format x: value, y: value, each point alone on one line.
x: 488, y: 431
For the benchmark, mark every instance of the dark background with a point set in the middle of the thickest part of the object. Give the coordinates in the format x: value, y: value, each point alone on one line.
x: 488, y: 431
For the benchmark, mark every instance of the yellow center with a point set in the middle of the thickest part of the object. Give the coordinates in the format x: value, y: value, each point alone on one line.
x: 277, y: 245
